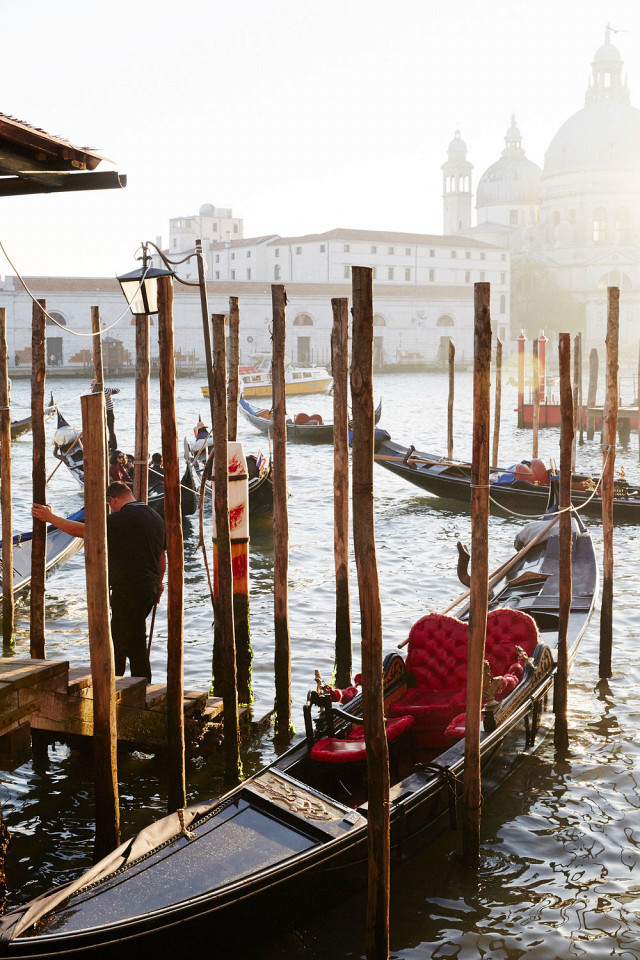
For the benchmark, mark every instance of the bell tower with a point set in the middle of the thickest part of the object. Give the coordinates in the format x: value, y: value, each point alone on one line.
x: 456, y: 188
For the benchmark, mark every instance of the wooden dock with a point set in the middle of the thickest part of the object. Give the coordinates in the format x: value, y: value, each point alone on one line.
x: 51, y: 697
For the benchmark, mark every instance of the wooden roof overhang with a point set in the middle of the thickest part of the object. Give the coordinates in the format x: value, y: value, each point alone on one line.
x: 32, y: 161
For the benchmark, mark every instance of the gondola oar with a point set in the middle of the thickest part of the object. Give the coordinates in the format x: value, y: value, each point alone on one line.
x: 500, y: 572
x: 153, y: 620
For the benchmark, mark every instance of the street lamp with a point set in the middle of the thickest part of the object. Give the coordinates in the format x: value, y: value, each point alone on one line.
x: 140, y: 287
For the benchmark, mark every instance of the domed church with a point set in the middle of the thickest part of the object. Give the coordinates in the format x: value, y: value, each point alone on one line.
x: 572, y: 227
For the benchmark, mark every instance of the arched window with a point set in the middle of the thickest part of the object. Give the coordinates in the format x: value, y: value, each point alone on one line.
x: 445, y: 321
x: 614, y: 279
x: 503, y: 303
x: 600, y: 225
x: 622, y: 224
x: 55, y: 318
x: 303, y: 320
x: 379, y: 320
x: 276, y: 272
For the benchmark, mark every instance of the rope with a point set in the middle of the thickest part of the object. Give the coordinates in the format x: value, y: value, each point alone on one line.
x: 76, y: 333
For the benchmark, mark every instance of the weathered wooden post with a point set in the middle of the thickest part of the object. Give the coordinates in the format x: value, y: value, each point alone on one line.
x: 96, y: 341
x: 542, y: 368
x: 479, y: 587
x: 8, y: 607
x: 578, y: 368
x: 204, y: 307
x: 370, y: 615
x: 98, y: 375
x: 176, y: 797
x: 100, y: 646
x: 280, y: 518
x: 561, y: 732
x: 452, y: 367
x: 638, y: 399
x: 536, y: 399
x: 141, y: 443
x: 498, y: 404
x: 234, y: 363
x: 608, y: 480
x: 592, y: 392
x: 340, y: 369
x: 521, y: 361
x: 223, y: 610
x: 39, y: 478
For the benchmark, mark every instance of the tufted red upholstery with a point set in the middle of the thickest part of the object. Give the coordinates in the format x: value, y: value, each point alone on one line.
x: 507, y: 629
x: 438, y: 652
x: 438, y: 660
x: 352, y: 750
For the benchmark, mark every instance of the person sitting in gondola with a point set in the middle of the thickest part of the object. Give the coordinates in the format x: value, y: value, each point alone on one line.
x: 118, y: 467
x: 156, y: 466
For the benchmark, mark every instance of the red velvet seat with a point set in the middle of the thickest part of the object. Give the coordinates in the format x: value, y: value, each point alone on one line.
x: 353, y: 750
x: 437, y: 661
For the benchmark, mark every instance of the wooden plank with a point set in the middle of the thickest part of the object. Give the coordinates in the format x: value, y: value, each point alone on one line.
x: 33, y: 673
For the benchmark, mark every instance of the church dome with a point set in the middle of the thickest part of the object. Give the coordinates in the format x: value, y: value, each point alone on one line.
x: 513, y: 178
x: 605, y: 134
x: 207, y: 210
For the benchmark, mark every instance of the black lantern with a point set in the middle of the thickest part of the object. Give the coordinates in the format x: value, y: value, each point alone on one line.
x: 140, y: 288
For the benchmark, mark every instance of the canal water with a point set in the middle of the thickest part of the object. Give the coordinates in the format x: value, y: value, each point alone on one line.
x: 560, y: 873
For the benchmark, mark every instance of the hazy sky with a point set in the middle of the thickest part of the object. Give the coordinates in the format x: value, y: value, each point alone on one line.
x: 301, y: 115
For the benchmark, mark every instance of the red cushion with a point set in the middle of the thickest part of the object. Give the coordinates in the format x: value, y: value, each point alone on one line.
x: 353, y: 750
x: 438, y: 652
x: 507, y: 629
x: 456, y: 729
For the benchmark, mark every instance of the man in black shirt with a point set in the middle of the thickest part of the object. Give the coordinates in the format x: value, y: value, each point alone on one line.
x: 137, y: 561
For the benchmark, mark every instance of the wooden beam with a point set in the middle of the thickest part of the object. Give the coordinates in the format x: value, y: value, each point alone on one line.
x: 64, y: 183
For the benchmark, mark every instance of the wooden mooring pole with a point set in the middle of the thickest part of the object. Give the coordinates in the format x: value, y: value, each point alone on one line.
x: 8, y: 606
x: 340, y: 369
x: 479, y: 587
x: 452, y: 371
x: 98, y: 372
x: 100, y: 646
x: 204, y: 309
x: 521, y: 378
x: 592, y: 391
x: 377, y: 938
x: 223, y: 608
x: 579, y: 424
x: 536, y: 399
x: 39, y: 479
x: 608, y: 480
x: 234, y: 363
x: 567, y: 435
x: 498, y: 404
x: 176, y: 795
x: 141, y: 443
x: 282, y: 656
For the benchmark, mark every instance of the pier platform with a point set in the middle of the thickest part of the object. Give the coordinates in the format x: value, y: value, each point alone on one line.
x: 55, y: 699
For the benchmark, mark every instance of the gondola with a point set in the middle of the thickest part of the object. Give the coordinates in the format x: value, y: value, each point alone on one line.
x: 67, y: 447
x: 522, y: 488
x: 304, y: 428
x: 259, y: 468
x: 295, y: 834
x: 20, y: 427
x: 60, y: 546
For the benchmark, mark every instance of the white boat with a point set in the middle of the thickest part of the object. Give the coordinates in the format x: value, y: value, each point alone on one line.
x: 298, y: 380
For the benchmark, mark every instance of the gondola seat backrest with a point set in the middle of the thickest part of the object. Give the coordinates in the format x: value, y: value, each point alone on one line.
x: 352, y: 748
x: 436, y: 666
